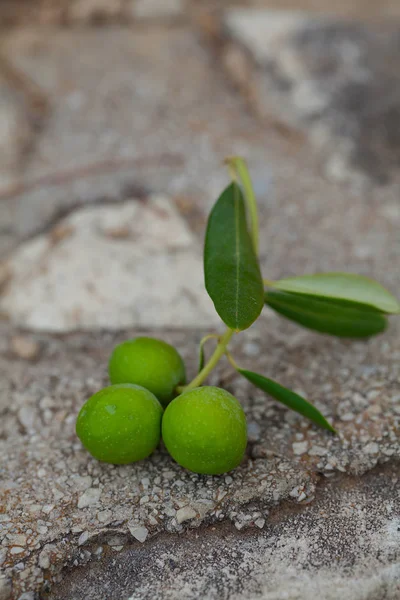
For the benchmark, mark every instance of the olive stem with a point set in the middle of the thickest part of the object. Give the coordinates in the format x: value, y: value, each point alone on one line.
x: 219, y: 351
x: 232, y: 360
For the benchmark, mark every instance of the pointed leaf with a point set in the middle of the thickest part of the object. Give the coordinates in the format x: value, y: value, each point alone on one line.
x: 232, y: 272
x: 327, y: 316
x: 288, y: 398
x: 342, y: 286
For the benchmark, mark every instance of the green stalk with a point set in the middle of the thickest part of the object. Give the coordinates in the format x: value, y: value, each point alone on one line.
x: 219, y: 351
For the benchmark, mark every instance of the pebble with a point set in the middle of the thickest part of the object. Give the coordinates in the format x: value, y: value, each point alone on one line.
x: 299, y: 448
x: 317, y: 451
x: 44, y: 560
x: 139, y: 533
x: 83, y: 538
x: 260, y: 523
x: 185, y: 513
x: 371, y: 448
x: 90, y: 497
x: 24, y: 347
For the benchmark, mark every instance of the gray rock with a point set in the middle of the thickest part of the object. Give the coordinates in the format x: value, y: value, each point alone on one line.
x: 330, y: 78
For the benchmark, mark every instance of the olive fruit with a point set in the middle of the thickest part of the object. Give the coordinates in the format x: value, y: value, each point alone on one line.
x: 205, y: 430
x: 148, y: 362
x: 120, y: 424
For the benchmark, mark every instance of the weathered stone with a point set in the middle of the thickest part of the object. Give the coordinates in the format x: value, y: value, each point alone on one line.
x: 152, y: 492
x: 96, y: 277
x: 122, y: 120
x: 344, y: 545
x: 15, y: 135
x: 156, y: 9
x: 330, y: 78
x: 5, y: 588
x: 83, y: 11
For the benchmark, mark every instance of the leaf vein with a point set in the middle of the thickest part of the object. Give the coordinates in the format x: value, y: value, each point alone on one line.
x: 237, y: 256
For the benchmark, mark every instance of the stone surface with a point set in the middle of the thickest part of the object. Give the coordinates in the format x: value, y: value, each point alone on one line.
x: 311, y: 552
x: 111, y: 266
x: 157, y: 9
x: 115, y: 131
x: 332, y: 79
x: 119, y: 117
x: 94, y: 10
x: 65, y: 492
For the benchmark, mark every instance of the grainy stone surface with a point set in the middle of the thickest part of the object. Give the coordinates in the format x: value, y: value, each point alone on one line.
x: 56, y: 498
x: 333, y: 79
x: 110, y: 266
x: 113, y: 132
x: 291, y: 558
x: 115, y: 115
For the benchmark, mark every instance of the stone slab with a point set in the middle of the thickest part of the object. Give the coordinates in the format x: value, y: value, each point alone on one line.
x: 111, y: 266
x: 309, y: 552
x: 123, y: 120
x: 331, y: 78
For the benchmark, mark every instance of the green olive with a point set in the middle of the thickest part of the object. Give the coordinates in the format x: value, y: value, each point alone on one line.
x: 120, y: 424
x: 148, y: 362
x: 205, y: 430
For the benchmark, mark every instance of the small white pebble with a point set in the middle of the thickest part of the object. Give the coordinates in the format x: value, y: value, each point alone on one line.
x: 349, y: 416
x: 317, y: 451
x: 228, y: 479
x: 16, y: 550
x: 44, y: 560
x: 139, y: 533
x: 260, y: 523
x: 185, y: 513
x: 371, y: 448
x: 299, y: 448
x: 47, y: 508
x: 89, y: 497
x: 83, y: 538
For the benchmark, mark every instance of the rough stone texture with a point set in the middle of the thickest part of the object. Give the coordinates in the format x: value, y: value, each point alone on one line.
x: 110, y: 266
x: 157, y: 9
x: 291, y: 558
x: 335, y: 80
x: 122, y: 116
x: 55, y: 498
x: 112, y: 132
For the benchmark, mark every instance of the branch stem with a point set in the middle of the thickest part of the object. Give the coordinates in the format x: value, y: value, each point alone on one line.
x: 219, y: 351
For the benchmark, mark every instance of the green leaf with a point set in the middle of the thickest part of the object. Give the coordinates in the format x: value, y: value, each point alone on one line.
x: 328, y: 316
x: 342, y: 286
x: 288, y: 398
x: 238, y: 167
x: 232, y: 272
